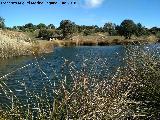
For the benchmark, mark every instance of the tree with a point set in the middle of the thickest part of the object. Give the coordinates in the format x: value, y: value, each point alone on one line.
x: 67, y: 27
x: 2, y: 21
x: 127, y: 28
x: 101, y: 29
x: 41, y: 26
x: 118, y: 29
x: 96, y: 29
x: 29, y: 25
x: 15, y: 28
x: 140, y: 30
x: 154, y: 30
x: 110, y: 28
x: 158, y: 34
x: 8, y: 28
x: 51, y: 26
x: 46, y: 33
x: 21, y: 28
x: 87, y: 32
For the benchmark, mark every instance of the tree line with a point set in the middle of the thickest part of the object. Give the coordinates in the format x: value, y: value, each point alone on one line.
x: 67, y: 28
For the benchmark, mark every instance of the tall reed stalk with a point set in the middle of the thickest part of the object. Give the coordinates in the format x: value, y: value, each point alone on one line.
x: 132, y: 92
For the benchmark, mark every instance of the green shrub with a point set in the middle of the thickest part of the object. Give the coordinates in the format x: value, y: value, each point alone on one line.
x: 87, y: 32
x: 46, y: 33
x: 158, y: 34
x: 2, y: 23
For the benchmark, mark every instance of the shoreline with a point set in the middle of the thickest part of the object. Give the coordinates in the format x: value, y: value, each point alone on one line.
x: 14, y: 44
x: 44, y: 47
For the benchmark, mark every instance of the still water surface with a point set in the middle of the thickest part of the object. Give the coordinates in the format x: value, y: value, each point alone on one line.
x: 33, y: 73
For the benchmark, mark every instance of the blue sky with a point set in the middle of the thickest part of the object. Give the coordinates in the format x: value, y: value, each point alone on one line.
x: 87, y: 12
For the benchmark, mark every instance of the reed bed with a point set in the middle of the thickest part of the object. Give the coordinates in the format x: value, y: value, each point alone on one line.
x: 132, y: 92
x: 13, y: 47
x: 98, y: 42
x: 17, y: 44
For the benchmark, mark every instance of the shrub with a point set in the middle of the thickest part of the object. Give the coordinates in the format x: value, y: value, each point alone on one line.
x: 158, y: 34
x: 2, y: 22
x: 46, y: 33
x: 128, y: 28
x: 68, y: 28
x: 87, y: 32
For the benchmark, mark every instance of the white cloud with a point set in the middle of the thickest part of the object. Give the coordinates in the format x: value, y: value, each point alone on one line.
x: 93, y: 3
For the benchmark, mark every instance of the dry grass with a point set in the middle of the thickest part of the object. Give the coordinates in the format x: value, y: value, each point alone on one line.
x: 13, y: 47
x: 151, y: 39
x: 14, y: 43
x: 133, y: 92
x: 43, y: 47
x: 102, y: 40
x: 130, y: 93
x: 17, y: 44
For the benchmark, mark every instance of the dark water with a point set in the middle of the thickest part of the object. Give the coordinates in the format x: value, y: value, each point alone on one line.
x: 33, y: 73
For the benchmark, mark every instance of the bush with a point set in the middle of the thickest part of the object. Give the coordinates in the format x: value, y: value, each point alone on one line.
x: 158, y: 34
x: 87, y: 32
x: 2, y: 24
x: 46, y: 33
x: 128, y: 28
x: 68, y: 28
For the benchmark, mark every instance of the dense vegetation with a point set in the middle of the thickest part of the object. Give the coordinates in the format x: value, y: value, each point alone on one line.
x: 131, y: 93
x: 67, y: 28
x: 2, y: 25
